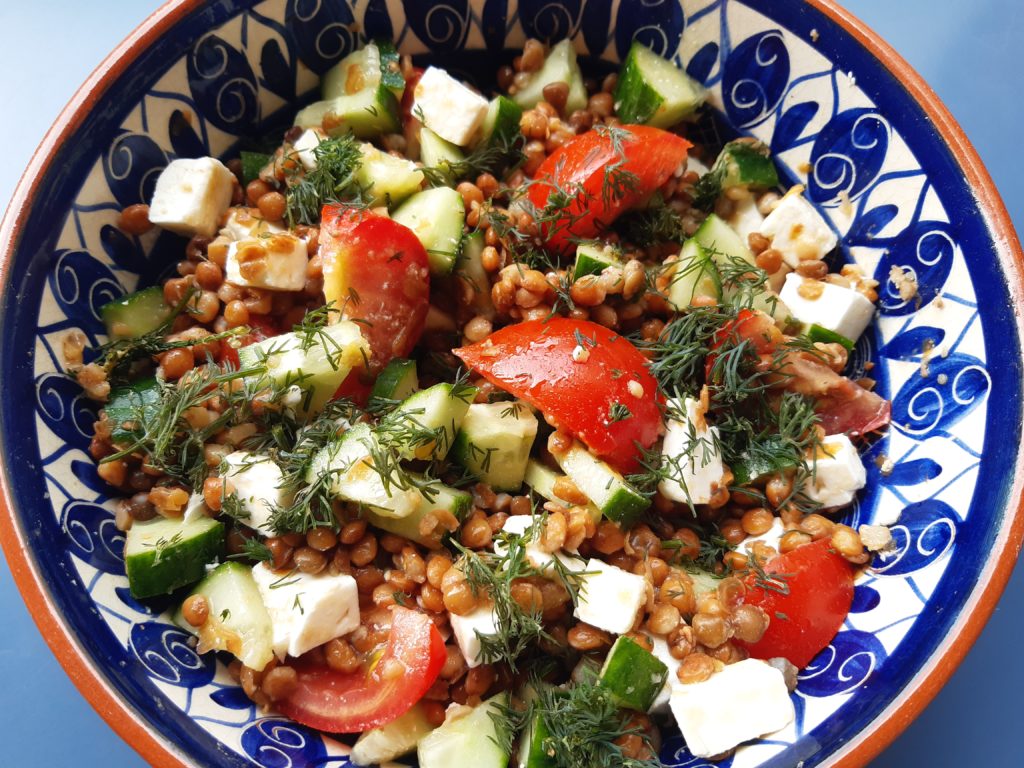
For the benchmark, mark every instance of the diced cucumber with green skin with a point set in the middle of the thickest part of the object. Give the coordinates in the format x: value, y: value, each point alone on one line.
x: 695, y: 275
x: 617, y: 499
x: 443, y: 498
x: 654, y: 91
x: 252, y: 164
x: 501, y: 124
x: 135, y: 314
x: 595, y: 258
x: 741, y: 163
x: 365, y: 114
x: 534, y: 745
x: 238, y: 621
x: 722, y: 242
x: 560, y: 66
x: 472, y: 736
x: 376, y: 63
x: 163, y: 554
x: 391, y: 741
x: 354, y: 478
x: 816, y: 333
x: 746, y: 469
x: 435, y: 413
x: 386, y: 179
x: 396, y: 382
x: 632, y: 675
x: 470, y: 271
x: 130, y: 406
x: 436, y: 152
x: 542, y: 480
x: 316, y: 364
x: 436, y: 216
x: 495, y: 441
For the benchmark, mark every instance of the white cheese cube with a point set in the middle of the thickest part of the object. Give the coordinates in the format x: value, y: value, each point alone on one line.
x: 304, y: 146
x: 447, y: 107
x: 307, y: 610
x: 274, y: 262
x: 661, y: 652
x: 245, y: 223
x: 537, y: 557
x: 691, y: 450
x: 610, y: 598
x: 837, y: 308
x: 257, y: 482
x: 467, y: 630
x: 195, y: 509
x: 838, y: 473
x: 798, y: 231
x: 191, y: 196
x: 745, y: 218
x: 744, y: 701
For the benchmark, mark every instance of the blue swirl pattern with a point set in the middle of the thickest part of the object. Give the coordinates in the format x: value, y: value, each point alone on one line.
x: 223, y: 85
x: 755, y: 78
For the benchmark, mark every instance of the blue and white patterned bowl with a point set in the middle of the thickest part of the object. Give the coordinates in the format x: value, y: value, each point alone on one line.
x: 844, y: 116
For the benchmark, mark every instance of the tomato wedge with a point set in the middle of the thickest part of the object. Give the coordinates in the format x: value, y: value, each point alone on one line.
x: 340, y: 702
x: 806, y: 605
x: 606, y: 171
x: 534, y: 361
x: 376, y: 269
x: 261, y: 327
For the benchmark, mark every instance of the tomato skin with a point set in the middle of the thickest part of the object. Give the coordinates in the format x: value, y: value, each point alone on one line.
x: 651, y: 154
x: 533, y: 361
x: 261, y: 328
x: 376, y: 270
x: 804, y: 621
x: 340, y: 702
x: 749, y: 325
x: 409, y: 94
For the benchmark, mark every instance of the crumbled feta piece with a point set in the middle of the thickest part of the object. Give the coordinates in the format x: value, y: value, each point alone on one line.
x: 835, y: 307
x: 191, y: 196
x: 304, y: 146
x: 258, y: 483
x: 447, y: 107
x: 274, y: 262
x: 244, y: 224
x: 838, y: 473
x: 746, y: 218
x: 662, y: 653
x: 466, y: 628
x: 798, y: 231
x: 195, y: 509
x: 877, y: 538
x: 610, y: 597
x: 691, y: 450
x: 307, y: 610
x: 743, y: 701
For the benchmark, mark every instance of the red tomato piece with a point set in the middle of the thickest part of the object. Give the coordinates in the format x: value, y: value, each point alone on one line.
x: 376, y: 270
x: 749, y: 325
x: 807, y: 604
x: 645, y: 158
x: 534, y: 361
x: 261, y: 327
x: 409, y: 94
x: 340, y: 702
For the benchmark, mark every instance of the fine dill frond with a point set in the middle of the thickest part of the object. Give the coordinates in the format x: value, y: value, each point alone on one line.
x: 654, y: 225
x: 502, y: 156
x: 254, y: 549
x: 332, y: 181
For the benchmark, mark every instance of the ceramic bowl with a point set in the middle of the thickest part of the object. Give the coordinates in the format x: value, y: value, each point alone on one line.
x: 843, y: 114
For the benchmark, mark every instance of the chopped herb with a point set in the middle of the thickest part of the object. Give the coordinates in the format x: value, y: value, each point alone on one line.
x: 332, y: 181
x: 618, y: 412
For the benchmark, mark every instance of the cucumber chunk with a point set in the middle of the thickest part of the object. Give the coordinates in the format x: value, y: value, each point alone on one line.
x: 426, y: 423
x: 617, y: 499
x: 365, y: 114
x: 535, y: 745
x: 474, y: 278
x: 130, y: 407
x: 542, y: 481
x: 816, y: 333
x: 135, y: 314
x: 695, y: 275
x: 161, y: 555
x: 560, y: 66
x: 495, y: 442
x: 391, y: 741
x: 438, y: 153
x: 238, y: 622
x: 386, y: 179
x: 721, y: 241
x: 436, y: 216
x: 439, y: 497
x: 501, y: 124
x: 595, y: 258
x: 469, y: 735
x: 396, y: 382
x: 632, y: 675
x: 376, y: 63
x: 741, y: 163
x: 252, y: 164
x: 654, y: 91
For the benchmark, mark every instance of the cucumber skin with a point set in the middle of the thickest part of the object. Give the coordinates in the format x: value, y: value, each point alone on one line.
x: 138, y: 399
x: 816, y: 333
x: 179, y: 564
x: 589, y: 261
x: 632, y: 675
x: 409, y: 527
x: 359, y: 121
x: 441, y: 262
x: 397, y: 381
x: 149, y: 303
x: 636, y: 101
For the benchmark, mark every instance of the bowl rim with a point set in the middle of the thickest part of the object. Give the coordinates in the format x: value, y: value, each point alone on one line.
x: 870, y: 742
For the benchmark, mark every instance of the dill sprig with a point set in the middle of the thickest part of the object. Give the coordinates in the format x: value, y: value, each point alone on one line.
x: 503, y: 155
x: 654, y: 225
x: 332, y: 181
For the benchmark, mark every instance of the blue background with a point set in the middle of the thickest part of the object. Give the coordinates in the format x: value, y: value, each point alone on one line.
x: 966, y: 49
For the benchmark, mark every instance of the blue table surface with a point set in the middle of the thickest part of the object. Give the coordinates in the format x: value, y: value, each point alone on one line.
x: 967, y: 50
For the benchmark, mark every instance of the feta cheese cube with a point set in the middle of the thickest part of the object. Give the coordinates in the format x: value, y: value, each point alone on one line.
x: 611, y: 597
x: 195, y: 509
x: 745, y: 218
x: 838, y: 473
x: 244, y: 224
x: 191, y: 196
x: 835, y: 307
x: 537, y: 557
x: 258, y: 483
x: 691, y: 450
x: 447, y: 107
x: 304, y: 146
x: 275, y: 262
x: 661, y: 652
x: 466, y: 628
x: 743, y: 701
x: 307, y: 610
x: 798, y: 231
